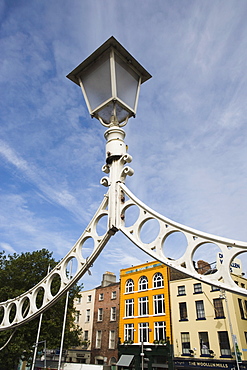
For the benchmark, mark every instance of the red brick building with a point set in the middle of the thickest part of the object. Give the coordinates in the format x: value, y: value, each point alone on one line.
x: 105, y: 322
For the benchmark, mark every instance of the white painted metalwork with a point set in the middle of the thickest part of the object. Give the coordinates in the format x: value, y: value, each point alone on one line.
x: 115, y: 206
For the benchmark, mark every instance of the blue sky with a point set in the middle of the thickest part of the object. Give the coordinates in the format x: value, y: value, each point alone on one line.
x: 188, y: 141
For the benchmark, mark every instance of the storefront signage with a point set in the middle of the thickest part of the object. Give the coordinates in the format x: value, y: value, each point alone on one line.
x: 187, y: 364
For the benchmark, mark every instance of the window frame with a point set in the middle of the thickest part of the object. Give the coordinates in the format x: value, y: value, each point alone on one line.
x: 204, y: 341
x: 129, y: 286
x: 129, y: 332
x: 200, y: 310
x: 241, y: 309
x: 159, y: 304
x: 198, y: 288
x: 77, y: 316
x: 112, y: 339
x: 158, y: 280
x: 98, y: 340
x: 129, y: 307
x: 218, y: 308
x: 100, y: 314
x: 143, y: 332
x: 86, y: 335
x: 113, y: 316
x: 185, y: 343
x: 160, y: 327
x: 181, y: 290
x: 223, y: 338
x: 143, y: 283
x: 183, y: 312
x: 143, y: 306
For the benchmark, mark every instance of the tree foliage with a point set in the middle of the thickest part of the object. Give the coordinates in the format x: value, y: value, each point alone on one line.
x: 18, y: 273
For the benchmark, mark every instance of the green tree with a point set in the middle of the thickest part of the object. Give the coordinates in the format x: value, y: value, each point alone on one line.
x: 18, y: 273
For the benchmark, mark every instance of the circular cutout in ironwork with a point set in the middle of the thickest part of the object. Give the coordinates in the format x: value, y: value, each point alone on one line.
x: 1, y: 314
x: 101, y: 226
x: 207, y: 258
x: 131, y: 215
x: 25, y: 306
x: 175, y: 245
x: 149, y: 230
x: 12, y: 312
x: 39, y: 297
x: 71, y: 267
x: 55, y: 284
x: 239, y: 276
x: 87, y: 247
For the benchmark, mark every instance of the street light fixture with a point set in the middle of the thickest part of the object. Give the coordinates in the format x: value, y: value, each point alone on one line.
x: 110, y: 80
x: 35, y: 352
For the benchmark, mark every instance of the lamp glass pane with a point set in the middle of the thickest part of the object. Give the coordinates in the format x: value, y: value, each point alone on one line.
x: 127, y: 83
x: 107, y: 111
x: 97, y: 82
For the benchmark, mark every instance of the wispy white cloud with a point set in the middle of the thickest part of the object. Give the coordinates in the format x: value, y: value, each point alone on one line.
x: 7, y: 248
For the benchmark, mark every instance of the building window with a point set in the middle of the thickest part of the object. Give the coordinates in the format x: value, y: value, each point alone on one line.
x: 183, y: 311
x: 129, y: 332
x: 79, y: 299
x: 204, y: 343
x: 114, y: 295
x: 214, y: 288
x: 143, y: 283
x: 113, y: 313
x: 143, y: 306
x: 144, y: 332
x: 85, y: 336
x: 241, y: 309
x: 181, y: 290
x: 200, y: 313
x: 101, y: 296
x: 160, y: 330
x: 89, y: 298
x: 88, y: 315
x: 100, y: 314
x: 129, y: 286
x: 185, y: 339
x: 112, y: 335
x: 225, y: 349
x: 77, y: 316
x: 98, y: 338
x: 159, y: 304
x: 197, y: 288
x: 158, y: 281
x: 218, y: 308
x: 245, y: 335
x: 129, y: 307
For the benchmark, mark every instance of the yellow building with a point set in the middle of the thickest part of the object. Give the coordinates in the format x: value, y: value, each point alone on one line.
x: 206, y: 322
x: 144, y: 325
x: 144, y: 303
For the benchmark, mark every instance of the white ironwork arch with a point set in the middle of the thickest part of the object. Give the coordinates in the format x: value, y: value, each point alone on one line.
x: 116, y: 202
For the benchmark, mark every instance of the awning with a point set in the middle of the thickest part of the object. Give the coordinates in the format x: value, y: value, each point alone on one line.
x: 125, y: 360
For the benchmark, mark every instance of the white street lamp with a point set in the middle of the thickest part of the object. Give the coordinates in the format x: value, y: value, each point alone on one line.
x: 110, y: 80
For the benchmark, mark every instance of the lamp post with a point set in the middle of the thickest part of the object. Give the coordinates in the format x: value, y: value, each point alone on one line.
x: 36, y: 346
x: 110, y: 80
x: 234, y: 339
